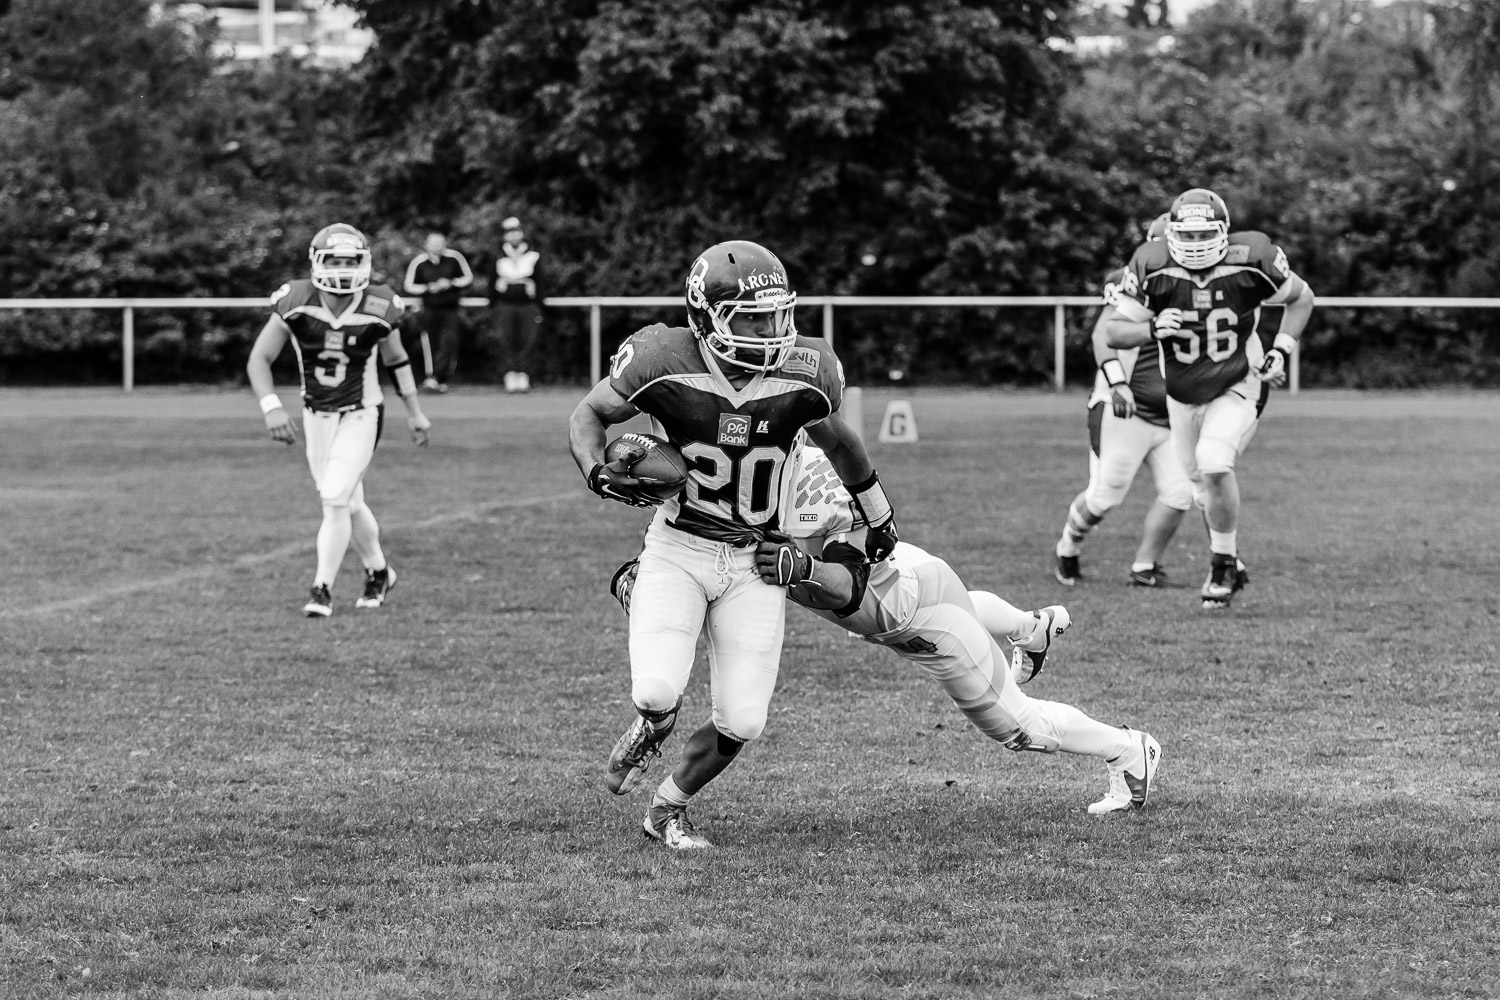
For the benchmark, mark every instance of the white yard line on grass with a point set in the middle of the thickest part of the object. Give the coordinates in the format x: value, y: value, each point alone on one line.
x: 281, y: 552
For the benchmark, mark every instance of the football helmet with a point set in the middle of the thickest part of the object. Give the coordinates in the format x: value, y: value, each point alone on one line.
x: 1198, y: 230
x: 1158, y: 228
x: 741, y: 278
x: 340, y: 257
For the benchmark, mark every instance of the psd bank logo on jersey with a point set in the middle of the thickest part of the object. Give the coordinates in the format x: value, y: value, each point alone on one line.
x: 734, y: 428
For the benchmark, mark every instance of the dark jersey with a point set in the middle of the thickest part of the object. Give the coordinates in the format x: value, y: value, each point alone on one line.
x: 337, y: 355
x: 736, y: 440
x: 1220, y: 309
x: 1142, y: 368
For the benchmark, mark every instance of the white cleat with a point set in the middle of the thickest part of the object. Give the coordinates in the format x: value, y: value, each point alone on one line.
x: 1131, y: 776
x: 670, y: 825
x: 1027, y: 657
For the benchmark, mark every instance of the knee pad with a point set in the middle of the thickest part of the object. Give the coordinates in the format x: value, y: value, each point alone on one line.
x: 332, y: 499
x: 743, y: 725
x: 1178, y: 498
x: 1216, y: 456
x: 1105, y: 496
x: 654, y: 695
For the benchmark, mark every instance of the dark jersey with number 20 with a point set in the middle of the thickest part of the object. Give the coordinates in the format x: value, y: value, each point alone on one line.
x: 736, y: 440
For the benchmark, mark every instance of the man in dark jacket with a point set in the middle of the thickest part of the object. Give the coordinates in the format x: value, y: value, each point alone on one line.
x: 437, y: 278
x: 518, y: 305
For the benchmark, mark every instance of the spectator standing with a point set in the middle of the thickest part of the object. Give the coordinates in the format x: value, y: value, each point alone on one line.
x: 437, y: 277
x: 518, y: 305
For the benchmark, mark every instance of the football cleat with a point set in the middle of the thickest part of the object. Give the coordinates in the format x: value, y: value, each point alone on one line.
x: 320, y: 604
x: 633, y: 754
x: 1067, y: 571
x: 378, y: 583
x: 1226, y: 577
x: 670, y: 825
x: 1130, y: 775
x: 1153, y: 577
x: 1027, y: 657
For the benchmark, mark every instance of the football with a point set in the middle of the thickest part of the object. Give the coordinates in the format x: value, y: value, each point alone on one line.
x: 653, y: 460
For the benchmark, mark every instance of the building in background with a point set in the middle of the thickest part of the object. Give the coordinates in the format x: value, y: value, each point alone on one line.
x: 319, y: 30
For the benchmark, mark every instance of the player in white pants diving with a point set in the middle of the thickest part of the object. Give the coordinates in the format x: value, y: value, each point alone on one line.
x: 916, y: 605
x: 340, y: 324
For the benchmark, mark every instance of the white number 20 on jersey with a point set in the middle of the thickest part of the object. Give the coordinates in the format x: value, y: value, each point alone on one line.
x: 763, y: 464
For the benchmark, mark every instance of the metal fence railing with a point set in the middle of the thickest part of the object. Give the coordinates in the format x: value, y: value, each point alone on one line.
x: 595, y: 304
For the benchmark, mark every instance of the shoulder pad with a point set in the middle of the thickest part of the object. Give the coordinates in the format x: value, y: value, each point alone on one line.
x: 650, y: 353
x: 1256, y: 250
x: 1149, y: 257
x: 292, y: 295
x: 381, y: 302
x: 812, y: 360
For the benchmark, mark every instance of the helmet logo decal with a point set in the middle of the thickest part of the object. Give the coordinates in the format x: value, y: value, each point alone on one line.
x: 696, y: 289
x: 1195, y: 212
x: 760, y: 281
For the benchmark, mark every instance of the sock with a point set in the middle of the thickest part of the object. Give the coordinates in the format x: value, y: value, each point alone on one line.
x: 365, y: 534
x: 1141, y: 567
x: 1080, y: 522
x: 1222, y: 542
x: 668, y: 794
x: 1078, y: 733
x: 333, y: 542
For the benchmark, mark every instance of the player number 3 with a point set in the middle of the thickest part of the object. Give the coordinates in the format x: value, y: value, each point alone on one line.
x: 331, y: 367
x: 1222, y: 340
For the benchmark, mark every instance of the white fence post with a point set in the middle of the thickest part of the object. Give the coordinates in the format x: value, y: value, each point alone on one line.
x: 596, y: 345
x: 828, y: 323
x: 1294, y: 378
x: 127, y: 349
x: 1059, y: 338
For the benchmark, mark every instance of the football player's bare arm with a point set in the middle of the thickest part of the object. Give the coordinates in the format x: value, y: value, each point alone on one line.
x: 393, y: 356
x: 602, y: 408
x: 1120, y: 332
x: 272, y: 338
x: 846, y: 453
x: 1122, y: 399
x: 1298, y: 311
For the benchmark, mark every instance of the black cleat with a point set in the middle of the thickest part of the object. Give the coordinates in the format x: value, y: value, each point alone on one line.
x: 320, y: 604
x: 1153, y: 577
x: 1227, y: 576
x: 1067, y: 571
x: 378, y: 583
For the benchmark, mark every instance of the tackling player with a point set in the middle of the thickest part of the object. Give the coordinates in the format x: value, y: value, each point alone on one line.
x: 338, y: 322
x: 1127, y: 417
x: 1199, y: 293
x: 916, y: 605
x: 732, y: 390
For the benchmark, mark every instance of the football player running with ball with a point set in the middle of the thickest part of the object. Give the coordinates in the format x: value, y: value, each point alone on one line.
x: 732, y: 391
x: 1127, y: 416
x: 915, y: 605
x: 339, y: 323
x: 1199, y: 293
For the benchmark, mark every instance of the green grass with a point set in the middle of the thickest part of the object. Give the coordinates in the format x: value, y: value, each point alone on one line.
x: 204, y: 794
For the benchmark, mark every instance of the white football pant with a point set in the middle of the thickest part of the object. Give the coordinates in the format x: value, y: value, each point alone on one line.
x: 947, y: 640
x: 1210, y: 437
x: 684, y: 583
x: 339, y: 449
x: 1125, y: 445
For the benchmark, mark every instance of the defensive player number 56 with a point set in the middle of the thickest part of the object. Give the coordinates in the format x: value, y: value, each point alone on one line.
x: 761, y: 464
x: 1222, y: 339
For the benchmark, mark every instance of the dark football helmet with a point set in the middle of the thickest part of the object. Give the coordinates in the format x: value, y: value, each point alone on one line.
x: 340, y: 257
x: 1198, y: 232
x: 735, y: 279
x: 1158, y: 228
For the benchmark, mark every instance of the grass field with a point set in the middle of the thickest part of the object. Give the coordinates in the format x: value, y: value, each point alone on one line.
x: 202, y: 793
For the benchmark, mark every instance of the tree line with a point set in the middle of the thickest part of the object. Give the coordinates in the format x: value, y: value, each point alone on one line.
x: 880, y: 148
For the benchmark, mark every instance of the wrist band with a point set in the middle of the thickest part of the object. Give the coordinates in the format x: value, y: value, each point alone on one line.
x: 871, y: 500
x: 270, y: 401
x: 1114, y: 372
x: 1286, y: 342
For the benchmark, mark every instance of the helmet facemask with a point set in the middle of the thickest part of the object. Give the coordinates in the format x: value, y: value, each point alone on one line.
x: 1204, y: 252
x: 340, y: 269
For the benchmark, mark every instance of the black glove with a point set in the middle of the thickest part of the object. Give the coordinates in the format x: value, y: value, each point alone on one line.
x: 781, y: 562
x: 614, y: 482
x: 881, y: 539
